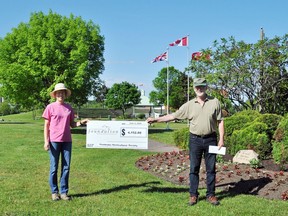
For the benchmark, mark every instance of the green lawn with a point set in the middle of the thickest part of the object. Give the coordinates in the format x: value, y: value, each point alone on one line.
x: 163, y: 132
x: 102, y: 181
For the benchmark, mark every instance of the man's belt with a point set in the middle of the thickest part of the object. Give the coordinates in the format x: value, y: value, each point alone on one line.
x: 205, y: 136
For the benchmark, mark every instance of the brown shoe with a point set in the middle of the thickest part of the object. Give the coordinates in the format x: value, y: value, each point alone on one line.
x: 193, y: 200
x: 213, y: 200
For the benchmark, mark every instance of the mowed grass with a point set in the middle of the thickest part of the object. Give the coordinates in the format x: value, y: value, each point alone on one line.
x: 102, y: 181
x: 163, y: 132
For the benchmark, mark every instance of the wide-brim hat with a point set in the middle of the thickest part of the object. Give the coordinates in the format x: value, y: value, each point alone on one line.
x: 199, y: 82
x: 58, y: 87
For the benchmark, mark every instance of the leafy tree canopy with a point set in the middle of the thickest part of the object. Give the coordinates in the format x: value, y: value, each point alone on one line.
x: 123, y: 96
x: 47, y: 50
x: 253, y: 76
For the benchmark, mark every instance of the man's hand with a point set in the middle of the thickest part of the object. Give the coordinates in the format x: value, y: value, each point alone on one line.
x: 220, y: 143
x: 150, y: 120
x: 165, y: 118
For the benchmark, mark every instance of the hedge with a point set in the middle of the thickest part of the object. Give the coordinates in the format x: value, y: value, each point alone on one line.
x: 280, y: 143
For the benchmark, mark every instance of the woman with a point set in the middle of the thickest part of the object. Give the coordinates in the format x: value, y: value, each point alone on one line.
x: 59, y: 118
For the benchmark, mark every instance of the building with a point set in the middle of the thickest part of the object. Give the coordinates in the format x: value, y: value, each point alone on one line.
x: 147, y: 108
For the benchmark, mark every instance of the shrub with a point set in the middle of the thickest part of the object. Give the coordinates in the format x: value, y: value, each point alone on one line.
x: 251, y: 130
x: 141, y: 116
x: 181, y: 138
x: 5, y: 108
x: 237, y: 122
x: 255, y: 163
x: 280, y: 143
x: 272, y: 121
x: 126, y: 116
x: 220, y: 158
x: 251, y: 137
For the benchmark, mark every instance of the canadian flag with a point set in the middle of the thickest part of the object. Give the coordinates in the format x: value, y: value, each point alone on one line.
x: 180, y: 42
x: 161, y: 57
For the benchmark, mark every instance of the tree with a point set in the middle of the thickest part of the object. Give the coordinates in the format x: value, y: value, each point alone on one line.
x: 100, y: 92
x: 123, y: 96
x: 253, y: 75
x: 177, y: 88
x: 5, y: 108
x: 273, y: 91
x: 47, y: 50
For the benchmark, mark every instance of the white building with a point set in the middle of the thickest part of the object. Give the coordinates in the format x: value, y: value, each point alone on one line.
x: 146, y: 107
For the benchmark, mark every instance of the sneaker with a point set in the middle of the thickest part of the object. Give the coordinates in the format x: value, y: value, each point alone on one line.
x: 213, y: 200
x: 55, y: 197
x: 193, y: 200
x: 65, y: 197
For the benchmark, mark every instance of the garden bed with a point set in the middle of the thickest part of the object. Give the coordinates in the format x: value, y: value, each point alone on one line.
x: 269, y: 181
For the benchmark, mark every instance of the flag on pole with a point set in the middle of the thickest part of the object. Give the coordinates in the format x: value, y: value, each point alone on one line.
x: 196, y: 56
x: 180, y: 42
x: 162, y: 57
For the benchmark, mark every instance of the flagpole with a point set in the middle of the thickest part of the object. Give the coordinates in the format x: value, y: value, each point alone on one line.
x: 167, y: 125
x: 188, y: 80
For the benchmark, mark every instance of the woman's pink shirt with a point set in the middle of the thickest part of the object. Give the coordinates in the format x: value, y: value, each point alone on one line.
x: 60, y: 116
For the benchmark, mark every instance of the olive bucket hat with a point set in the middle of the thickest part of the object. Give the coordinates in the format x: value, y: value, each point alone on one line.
x: 199, y: 82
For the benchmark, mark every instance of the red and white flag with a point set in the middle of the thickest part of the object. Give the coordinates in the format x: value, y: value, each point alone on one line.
x: 198, y: 55
x: 162, y: 57
x: 180, y: 42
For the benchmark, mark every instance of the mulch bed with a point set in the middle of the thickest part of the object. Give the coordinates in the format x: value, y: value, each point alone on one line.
x: 269, y: 181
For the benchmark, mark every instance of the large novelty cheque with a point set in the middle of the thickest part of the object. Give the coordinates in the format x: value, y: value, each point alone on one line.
x: 117, y: 134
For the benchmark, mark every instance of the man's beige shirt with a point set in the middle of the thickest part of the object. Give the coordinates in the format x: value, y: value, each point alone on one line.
x: 203, y: 119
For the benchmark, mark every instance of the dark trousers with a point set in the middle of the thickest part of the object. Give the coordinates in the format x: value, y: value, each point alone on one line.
x: 197, y: 147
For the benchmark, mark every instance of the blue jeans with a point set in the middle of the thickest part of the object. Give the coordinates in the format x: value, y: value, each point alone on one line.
x: 65, y: 149
x: 197, y: 147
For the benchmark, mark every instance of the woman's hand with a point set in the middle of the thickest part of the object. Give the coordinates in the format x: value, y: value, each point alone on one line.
x: 47, y: 146
x: 83, y: 122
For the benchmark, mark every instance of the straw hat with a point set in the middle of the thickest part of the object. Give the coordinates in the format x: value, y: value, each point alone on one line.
x: 58, y: 87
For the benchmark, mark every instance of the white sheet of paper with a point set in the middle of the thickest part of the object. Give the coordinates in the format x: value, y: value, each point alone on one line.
x: 117, y: 134
x: 216, y: 150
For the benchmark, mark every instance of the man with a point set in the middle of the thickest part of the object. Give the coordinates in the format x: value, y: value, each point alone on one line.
x: 205, y: 115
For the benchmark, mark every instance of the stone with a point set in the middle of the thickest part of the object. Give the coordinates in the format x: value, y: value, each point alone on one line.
x: 245, y: 156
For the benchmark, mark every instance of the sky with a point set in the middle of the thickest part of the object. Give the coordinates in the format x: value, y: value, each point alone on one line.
x: 137, y: 31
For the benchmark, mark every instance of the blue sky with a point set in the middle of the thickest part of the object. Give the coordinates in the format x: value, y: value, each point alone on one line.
x: 136, y: 31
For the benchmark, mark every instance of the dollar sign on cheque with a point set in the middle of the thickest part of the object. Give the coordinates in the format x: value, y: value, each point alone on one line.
x: 123, y: 132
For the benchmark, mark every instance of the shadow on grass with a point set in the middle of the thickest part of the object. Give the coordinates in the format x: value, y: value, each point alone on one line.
x: 248, y: 187
x: 78, y: 130
x: 5, y: 122
x: 115, y: 189
x: 158, y: 130
x: 166, y: 190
